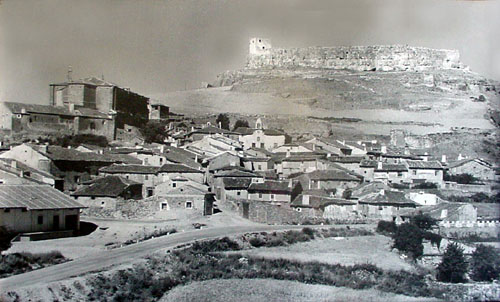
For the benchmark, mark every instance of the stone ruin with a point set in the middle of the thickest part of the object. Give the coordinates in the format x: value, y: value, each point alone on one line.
x: 359, y: 58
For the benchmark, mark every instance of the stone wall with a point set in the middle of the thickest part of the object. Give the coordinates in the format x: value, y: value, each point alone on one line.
x: 360, y: 58
x: 467, y: 291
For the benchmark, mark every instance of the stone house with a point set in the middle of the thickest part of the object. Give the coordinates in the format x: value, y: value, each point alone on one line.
x: 391, y: 173
x: 448, y: 214
x: 297, y: 163
x: 15, y: 172
x: 68, y: 164
x: 332, y: 180
x: 170, y: 172
x: 17, y: 117
x: 420, y: 171
x: 274, y: 191
x: 37, y: 208
x: 424, y: 199
x: 181, y: 202
x: 331, y: 146
x: 148, y: 176
x: 129, y: 107
x: 476, y: 167
x: 105, y: 191
x: 384, y: 205
x: 158, y: 112
x: 292, y: 148
x: 258, y: 160
x: 198, y: 134
x: 319, y: 203
x: 234, y: 184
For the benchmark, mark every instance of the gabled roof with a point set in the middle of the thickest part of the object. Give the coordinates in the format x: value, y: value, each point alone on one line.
x: 369, y: 188
x: 177, y: 168
x: 421, y: 164
x: 186, y: 189
x: 212, y: 130
x: 278, y: 187
x: 133, y: 169
x: 236, y: 173
x: 58, y: 153
x: 22, y: 167
x: 387, y: 197
x: 93, y: 81
x: 332, y: 175
x: 368, y: 163
x: 35, y: 108
x: 386, y: 167
x: 319, y: 201
x: 109, y: 186
x: 236, y: 183
x: 346, y: 159
x: 35, y: 197
x: 468, y: 160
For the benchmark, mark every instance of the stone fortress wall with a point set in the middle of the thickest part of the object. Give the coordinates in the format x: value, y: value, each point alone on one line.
x: 359, y: 58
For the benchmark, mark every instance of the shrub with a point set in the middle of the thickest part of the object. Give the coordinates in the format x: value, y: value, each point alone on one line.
x: 408, y: 239
x: 485, y: 264
x: 426, y: 185
x: 309, y: 232
x: 257, y: 242
x: 224, y: 121
x: 424, y: 221
x: 434, y: 238
x: 153, y: 132
x: 464, y: 178
x: 6, y: 237
x: 386, y: 227
x: 453, y: 265
x: 241, y: 123
x: 18, y: 263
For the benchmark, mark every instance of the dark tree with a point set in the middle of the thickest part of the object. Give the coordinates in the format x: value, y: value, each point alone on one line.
x: 241, y: 123
x: 408, y: 239
x: 453, y: 265
x: 223, y: 119
x: 424, y: 221
x: 5, y: 237
x: 153, y: 132
x: 485, y: 264
x: 464, y: 178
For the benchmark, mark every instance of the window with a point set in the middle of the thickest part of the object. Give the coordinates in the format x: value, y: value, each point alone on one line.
x: 238, y: 193
x: 436, y: 173
x: 414, y: 172
x: 164, y: 206
x: 149, y: 192
x: 299, y: 210
x: 259, y: 167
x: 262, y: 145
x: 92, y: 126
x: 174, y: 185
x: 146, y: 177
x: 24, y: 210
x: 103, y: 203
x: 93, y: 198
x: 6, y: 210
x: 76, y: 178
x: 275, y: 145
x: 258, y: 138
x: 253, y: 145
x: 40, y: 219
x: 272, y: 196
x: 400, y: 173
x: 161, y: 161
x: 260, y: 195
x: 189, y: 204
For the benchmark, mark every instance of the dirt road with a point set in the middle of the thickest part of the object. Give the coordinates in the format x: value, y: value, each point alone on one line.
x: 124, y: 255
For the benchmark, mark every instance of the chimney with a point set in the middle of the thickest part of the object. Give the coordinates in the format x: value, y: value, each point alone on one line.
x: 407, y: 150
x: 383, y: 149
x: 460, y: 157
x: 310, y: 185
x: 69, y: 76
x: 44, y: 148
x: 288, y: 153
x: 290, y: 183
x: 13, y: 164
x: 328, y: 155
x: 382, y: 192
x: 426, y: 156
x: 220, y: 125
x: 443, y: 158
x: 379, y: 165
x: 71, y: 107
x: 305, y: 200
x: 162, y: 148
x: 314, y: 147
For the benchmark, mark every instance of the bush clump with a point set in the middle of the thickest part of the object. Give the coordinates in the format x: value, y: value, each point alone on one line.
x: 485, y: 264
x: 386, y: 227
x: 18, y: 263
x: 453, y: 265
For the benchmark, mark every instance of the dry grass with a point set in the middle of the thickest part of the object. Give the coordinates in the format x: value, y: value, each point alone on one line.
x: 252, y: 290
x: 345, y: 251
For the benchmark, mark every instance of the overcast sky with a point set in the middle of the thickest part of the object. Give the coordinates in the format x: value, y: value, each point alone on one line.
x: 159, y: 46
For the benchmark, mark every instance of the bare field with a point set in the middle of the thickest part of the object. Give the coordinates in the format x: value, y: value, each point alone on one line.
x: 344, y: 250
x: 253, y: 290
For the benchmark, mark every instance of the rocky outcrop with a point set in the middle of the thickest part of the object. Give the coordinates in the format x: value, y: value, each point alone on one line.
x: 358, y: 58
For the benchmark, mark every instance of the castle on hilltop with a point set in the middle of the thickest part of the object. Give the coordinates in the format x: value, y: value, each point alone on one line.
x: 360, y: 58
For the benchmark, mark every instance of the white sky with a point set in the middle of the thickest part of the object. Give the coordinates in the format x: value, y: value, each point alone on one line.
x: 159, y: 46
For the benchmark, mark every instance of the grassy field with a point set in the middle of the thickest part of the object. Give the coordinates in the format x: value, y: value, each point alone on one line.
x: 253, y: 290
x: 346, y: 251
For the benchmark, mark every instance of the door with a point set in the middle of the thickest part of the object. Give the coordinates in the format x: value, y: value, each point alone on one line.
x: 56, y: 222
x: 71, y: 222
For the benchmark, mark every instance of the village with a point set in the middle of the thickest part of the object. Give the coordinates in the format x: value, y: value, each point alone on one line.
x: 101, y: 168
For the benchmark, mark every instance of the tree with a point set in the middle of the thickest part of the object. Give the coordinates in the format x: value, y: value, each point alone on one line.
x: 153, y: 132
x: 485, y: 264
x: 408, y: 239
x: 453, y: 265
x: 241, y: 123
x: 424, y: 221
x: 5, y: 237
x: 223, y: 119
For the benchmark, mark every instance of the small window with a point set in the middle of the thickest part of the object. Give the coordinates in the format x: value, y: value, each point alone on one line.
x: 238, y: 193
x: 146, y: 177
x: 189, y: 204
x: 400, y: 173
x: 258, y: 138
x: 174, y: 185
x: 260, y: 195
x: 40, y: 219
x: 299, y: 210
x: 150, y: 192
x: 103, y: 203
x: 161, y: 161
x: 6, y: 210
x: 93, y: 198
x: 76, y: 178
x: 164, y: 206
x: 272, y: 196
x: 414, y: 172
x: 436, y: 173
x: 24, y: 210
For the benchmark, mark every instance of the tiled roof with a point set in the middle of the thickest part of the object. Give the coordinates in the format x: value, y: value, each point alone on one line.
x: 109, y: 186
x: 234, y: 183
x: 212, y: 130
x: 235, y: 173
x: 134, y: 169
x: 35, y: 108
x: 421, y: 164
x: 177, y: 168
x: 319, y: 201
x: 454, y: 211
x: 280, y: 187
x: 391, y: 168
x: 368, y: 163
x: 387, y: 198
x: 35, y: 197
x: 347, y: 159
x: 332, y: 175
x: 22, y: 167
x: 467, y: 160
x: 250, y: 131
x: 368, y: 188
x: 88, y: 112
x: 58, y: 153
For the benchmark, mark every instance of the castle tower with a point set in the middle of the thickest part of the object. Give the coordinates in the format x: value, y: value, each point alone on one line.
x: 259, y: 46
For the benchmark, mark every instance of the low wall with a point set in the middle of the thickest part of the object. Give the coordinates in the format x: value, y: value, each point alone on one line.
x: 464, y: 292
